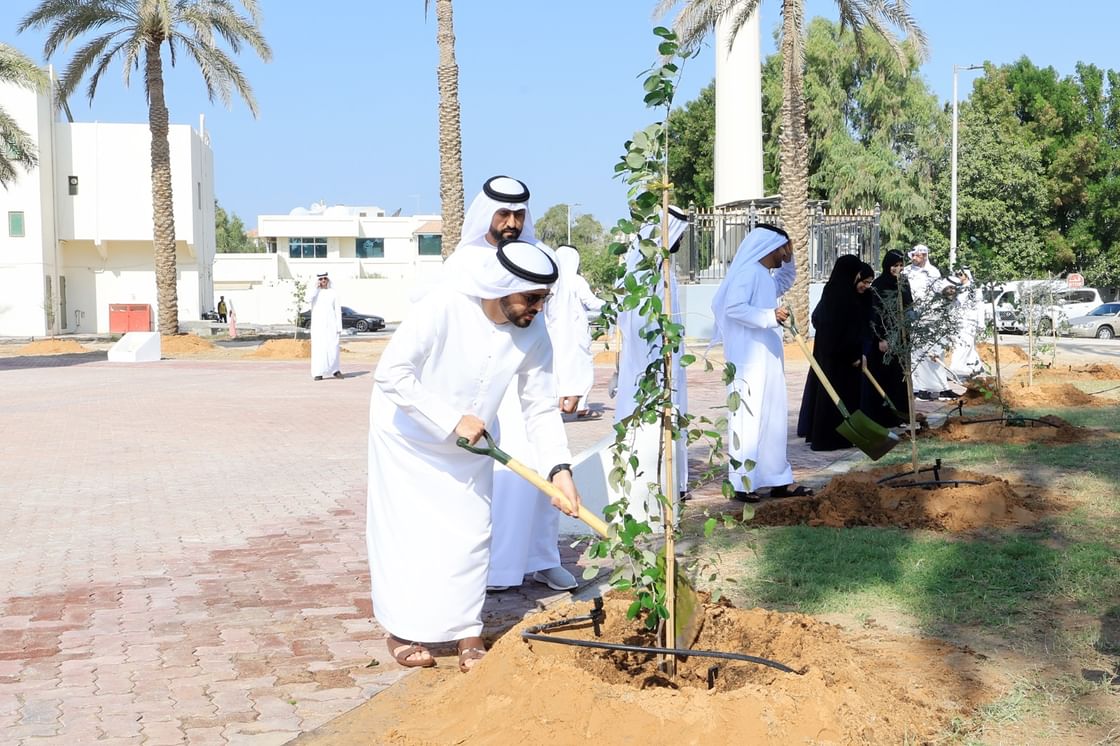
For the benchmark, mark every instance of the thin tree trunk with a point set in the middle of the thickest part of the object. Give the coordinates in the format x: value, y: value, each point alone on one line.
x: 794, y: 152
x: 450, y: 137
x: 163, y: 207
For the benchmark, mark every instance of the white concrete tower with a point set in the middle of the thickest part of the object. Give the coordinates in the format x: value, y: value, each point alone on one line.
x: 738, y: 149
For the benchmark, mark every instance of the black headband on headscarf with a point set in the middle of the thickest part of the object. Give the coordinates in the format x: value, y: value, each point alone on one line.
x: 517, y: 270
x: 506, y: 189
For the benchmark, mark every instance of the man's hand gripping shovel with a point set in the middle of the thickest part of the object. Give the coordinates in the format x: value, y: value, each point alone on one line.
x: 689, y: 612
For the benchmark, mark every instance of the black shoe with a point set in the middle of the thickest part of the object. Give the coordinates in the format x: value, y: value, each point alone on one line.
x: 925, y: 395
x: 338, y: 374
x: 747, y: 497
x: 947, y: 395
x: 318, y: 378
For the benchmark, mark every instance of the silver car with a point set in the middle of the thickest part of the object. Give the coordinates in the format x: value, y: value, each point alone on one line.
x: 1103, y: 322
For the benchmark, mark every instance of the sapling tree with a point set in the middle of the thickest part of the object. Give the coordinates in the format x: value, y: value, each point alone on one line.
x: 299, y: 298
x: 644, y: 287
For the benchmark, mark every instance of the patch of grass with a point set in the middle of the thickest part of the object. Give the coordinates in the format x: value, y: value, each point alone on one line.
x: 992, y: 582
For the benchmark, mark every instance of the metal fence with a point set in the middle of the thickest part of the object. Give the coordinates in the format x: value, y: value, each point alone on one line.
x: 715, y: 234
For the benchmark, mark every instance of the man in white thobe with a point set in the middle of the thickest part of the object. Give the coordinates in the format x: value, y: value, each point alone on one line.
x: 571, y: 335
x: 326, y: 327
x: 965, y: 361
x: 526, y: 529
x: 930, y: 381
x: 441, y: 377
x: 748, y: 321
x: 635, y: 355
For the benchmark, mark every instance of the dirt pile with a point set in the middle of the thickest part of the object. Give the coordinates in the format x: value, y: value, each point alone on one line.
x: 1007, y: 353
x: 51, y: 347
x: 184, y: 344
x: 283, y: 349
x: 1044, y: 395
x: 1090, y: 372
x: 858, y: 499
x: 852, y: 689
x: 1048, y: 429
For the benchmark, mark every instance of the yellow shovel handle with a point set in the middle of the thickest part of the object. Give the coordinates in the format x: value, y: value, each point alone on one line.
x: 875, y: 383
x: 548, y: 488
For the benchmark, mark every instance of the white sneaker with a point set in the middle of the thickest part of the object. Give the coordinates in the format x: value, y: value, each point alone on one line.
x: 556, y: 578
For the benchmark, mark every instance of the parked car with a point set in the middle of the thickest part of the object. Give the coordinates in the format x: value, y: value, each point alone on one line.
x: 351, y: 319
x: 1103, y: 322
x: 210, y: 316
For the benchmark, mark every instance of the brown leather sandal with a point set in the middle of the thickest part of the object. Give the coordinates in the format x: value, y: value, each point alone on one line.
x: 402, y: 650
x: 470, y: 655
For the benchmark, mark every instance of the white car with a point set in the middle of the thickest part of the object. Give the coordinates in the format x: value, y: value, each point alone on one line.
x: 1103, y: 322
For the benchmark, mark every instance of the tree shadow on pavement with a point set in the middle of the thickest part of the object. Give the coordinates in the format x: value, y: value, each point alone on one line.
x: 23, y: 362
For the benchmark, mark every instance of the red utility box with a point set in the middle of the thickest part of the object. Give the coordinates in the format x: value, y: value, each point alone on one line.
x: 129, y: 317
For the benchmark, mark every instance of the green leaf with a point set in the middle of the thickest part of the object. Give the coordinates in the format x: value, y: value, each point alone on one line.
x: 709, y: 527
x: 634, y: 610
x: 687, y: 360
x: 733, y: 401
x: 664, y: 33
x: 590, y: 572
x: 635, y: 160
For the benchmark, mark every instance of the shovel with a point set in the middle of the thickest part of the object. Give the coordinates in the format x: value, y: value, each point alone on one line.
x: 864, y: 433
x: 689, y: 613
x: 886, y: 399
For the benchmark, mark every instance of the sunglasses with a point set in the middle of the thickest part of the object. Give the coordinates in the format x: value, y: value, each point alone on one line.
x: 532, y: 299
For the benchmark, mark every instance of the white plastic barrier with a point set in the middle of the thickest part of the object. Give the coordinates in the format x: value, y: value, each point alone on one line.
x: 136, y: 347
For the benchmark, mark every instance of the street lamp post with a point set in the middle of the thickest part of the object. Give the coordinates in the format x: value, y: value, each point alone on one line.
x: 953, y: 186
x: 574, y: 204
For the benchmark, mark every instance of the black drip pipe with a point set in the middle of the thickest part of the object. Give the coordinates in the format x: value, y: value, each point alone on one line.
x: 938, y: 483
x: 1013, y: 422
x: 936, y: 469
x: 597, y: 616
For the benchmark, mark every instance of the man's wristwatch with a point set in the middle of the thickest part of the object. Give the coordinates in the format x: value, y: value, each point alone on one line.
x: 559, y: 468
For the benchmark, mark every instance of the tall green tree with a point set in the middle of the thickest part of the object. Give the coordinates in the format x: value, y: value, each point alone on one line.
x: 450, y: 132
x: 134, y: 32
x: 597, y: 264
x: 698, y: 18
x: 17, y: 148
x: 229, y: 233
x: 692, y: 144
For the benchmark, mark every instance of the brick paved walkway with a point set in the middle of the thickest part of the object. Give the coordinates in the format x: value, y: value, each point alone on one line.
x: 182, y: 555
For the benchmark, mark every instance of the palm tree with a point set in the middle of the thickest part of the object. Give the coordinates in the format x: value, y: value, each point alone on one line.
x: 450, y: 138
x: 17, y: 148
x: 698, y: 17
x: 129, y: 30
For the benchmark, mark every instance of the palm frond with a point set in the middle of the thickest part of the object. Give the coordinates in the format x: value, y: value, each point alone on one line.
x: 80, y: 64
x: 19, y: 69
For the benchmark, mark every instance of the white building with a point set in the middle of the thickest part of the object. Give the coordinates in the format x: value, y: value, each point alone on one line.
x: 77, y: 236
x: 376, y: 262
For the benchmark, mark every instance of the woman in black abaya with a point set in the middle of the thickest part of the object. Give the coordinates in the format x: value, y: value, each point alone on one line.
x: 884, y: 307
x: 842, y: 323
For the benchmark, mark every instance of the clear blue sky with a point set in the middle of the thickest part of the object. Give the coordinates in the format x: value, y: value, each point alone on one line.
x: 549, y: 92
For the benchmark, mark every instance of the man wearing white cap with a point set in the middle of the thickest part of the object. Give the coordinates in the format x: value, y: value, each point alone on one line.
x: 930, y: 381
x: 326, y: 327
x: 635, y: 355
x: 441, y: 377
x: 748, y: 321
x: 526, y: 529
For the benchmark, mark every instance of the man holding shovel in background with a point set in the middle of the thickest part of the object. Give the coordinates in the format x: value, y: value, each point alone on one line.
x: 442, y: 377
x: 748, y: 321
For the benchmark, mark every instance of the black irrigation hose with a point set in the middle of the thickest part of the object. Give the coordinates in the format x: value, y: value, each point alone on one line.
x: 935, y: 468
x: 1102, y: 391
x: 938, y: 482
x: 596, y: 618
x: 1010, y: 421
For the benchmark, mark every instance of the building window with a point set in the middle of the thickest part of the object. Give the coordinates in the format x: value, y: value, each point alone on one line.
x: 369, y: 248
x: 270, y: 244
x: 15, y: 224
x: 430, y: 245
x: 307, y: 248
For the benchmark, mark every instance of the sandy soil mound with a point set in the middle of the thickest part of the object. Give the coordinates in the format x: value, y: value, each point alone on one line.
x: 284, y: 349
x: 857, y: 499
x: 852, y: 689
x: 1007, y: 353
x: 51, y: 347
x: 1047, y: 395
x: 1049, y: 429
x: 184, y: 344
x: 1090, y: 372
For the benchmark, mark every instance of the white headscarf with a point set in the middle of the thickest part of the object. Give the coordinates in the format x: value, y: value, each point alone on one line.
x: 515, y: 267
x: 476, y: 223
x: 677, y: 227
x: 918, y: 249
x: 758, y: 243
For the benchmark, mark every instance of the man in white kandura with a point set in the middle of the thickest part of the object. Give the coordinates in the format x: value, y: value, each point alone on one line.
x: 326, y: 326
x: 634, y: 356
x: 441, y: 377
x: 748, y: 321
x: 571, y: 335
x: 930, y: 381
x: 526, y: 529
x: 965, y: 361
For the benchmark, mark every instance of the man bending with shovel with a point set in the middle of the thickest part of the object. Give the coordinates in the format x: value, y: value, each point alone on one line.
x: 440, y: 378
x: 748, y: 320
